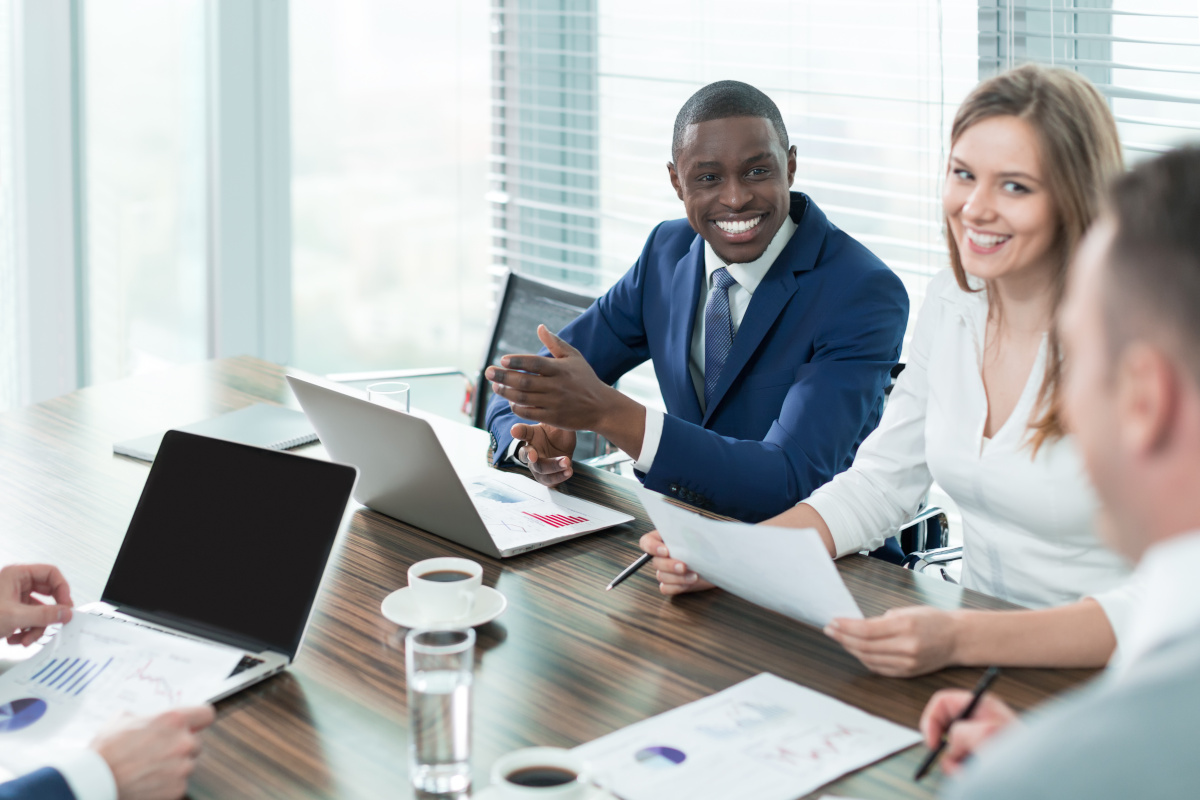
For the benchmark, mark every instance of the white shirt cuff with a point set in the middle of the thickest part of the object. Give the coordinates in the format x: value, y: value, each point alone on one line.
x: 511, y: 455
x: 650, y: 440
x: 87, y: 774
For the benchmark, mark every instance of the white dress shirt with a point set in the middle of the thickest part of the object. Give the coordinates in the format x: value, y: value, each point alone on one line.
x: 87, y: 775
x: 1028, y: 523
x: 748, y: 277
x: 1169, y: 606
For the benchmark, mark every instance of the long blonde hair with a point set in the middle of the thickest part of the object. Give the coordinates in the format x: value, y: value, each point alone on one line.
x: 1080, y: 153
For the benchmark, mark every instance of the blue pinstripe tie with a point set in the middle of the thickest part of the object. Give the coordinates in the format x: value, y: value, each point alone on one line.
x: 718, y: 331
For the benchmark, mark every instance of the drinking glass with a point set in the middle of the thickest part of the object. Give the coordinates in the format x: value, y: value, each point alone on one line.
x: 389, y: 393
x: 439, y: 669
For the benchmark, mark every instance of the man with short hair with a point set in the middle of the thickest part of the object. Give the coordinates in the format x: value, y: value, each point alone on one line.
x: 140, y: 759
x: 772, y: 333
x: 1131, y: 333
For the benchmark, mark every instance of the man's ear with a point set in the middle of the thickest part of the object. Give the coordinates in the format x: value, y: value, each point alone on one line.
x: 675, y: 180
x: 1147, y: 399
x: 791, y: 165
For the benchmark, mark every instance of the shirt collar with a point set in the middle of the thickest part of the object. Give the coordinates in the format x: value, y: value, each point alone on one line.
x: 1170, y: 606
x: 749, y: 276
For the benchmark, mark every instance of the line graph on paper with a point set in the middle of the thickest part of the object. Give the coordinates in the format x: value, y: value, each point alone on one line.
x: 815, y: 749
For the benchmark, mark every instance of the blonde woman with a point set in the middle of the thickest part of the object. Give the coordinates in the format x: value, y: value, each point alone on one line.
x: 977, y: 409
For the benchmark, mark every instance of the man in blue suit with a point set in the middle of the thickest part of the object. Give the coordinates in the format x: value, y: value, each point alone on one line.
x: 142, y: 759
x: 772, y: 333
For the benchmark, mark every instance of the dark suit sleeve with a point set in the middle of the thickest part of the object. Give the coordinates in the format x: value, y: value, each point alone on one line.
x: 610, y: 334
x: 834, y: 402
x: 42, y: 784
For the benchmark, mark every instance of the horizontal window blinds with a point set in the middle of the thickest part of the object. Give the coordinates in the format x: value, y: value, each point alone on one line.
x: 585, y: 94
x: 1144, y: 55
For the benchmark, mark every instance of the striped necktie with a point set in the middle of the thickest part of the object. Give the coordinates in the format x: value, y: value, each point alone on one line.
x: 718, y: 331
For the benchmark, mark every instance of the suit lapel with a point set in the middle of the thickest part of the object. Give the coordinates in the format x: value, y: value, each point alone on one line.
x: 687, y: 282
x: 773, y: 293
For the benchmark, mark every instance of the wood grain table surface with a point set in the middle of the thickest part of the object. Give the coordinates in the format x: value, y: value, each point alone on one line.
x: 567, y: 662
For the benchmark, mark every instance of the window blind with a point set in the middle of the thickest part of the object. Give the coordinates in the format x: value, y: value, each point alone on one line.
x: 585, y: 94
x: 1143, y: 55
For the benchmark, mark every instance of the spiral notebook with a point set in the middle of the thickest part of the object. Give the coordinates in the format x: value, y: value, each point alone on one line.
x: 261, y: 425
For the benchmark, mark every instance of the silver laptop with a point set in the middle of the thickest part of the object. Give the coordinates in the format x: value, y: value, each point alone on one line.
x: 228, y: 546
x: 416, y: 469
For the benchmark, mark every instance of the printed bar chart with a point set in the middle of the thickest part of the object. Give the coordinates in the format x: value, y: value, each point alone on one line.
x: 556, y: 520
x: 69, y: 675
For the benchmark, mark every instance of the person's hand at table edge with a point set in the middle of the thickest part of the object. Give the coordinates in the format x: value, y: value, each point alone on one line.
x: 563, y: 391
x: 673, y: 576
x: 546, y: 451
x: 966, y: 736
x: 151, y: 758
x: 23, y: 617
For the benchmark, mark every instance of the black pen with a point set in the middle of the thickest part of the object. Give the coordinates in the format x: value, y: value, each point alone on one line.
x: 632, y: 568
x: 981, y: 687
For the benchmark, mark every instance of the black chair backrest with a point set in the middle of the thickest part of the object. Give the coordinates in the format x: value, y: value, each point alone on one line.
x: 524, y: 304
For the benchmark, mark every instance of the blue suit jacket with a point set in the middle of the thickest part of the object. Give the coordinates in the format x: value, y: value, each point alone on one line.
x: 800, y: 390
x: 42, y: 784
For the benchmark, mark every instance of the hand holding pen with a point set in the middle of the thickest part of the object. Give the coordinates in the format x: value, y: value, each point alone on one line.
x: 959, y: 722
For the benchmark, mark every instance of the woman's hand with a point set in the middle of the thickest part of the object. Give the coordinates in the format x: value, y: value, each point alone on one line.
x: 902, y: 643
x: 674, y: 577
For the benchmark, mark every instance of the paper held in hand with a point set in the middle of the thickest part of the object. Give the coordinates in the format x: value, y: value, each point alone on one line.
x: 765, y: 738
x: 91, y: 673
x: 787, y: 570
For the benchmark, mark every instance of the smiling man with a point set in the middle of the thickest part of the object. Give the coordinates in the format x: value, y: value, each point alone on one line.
x: 772, y: 333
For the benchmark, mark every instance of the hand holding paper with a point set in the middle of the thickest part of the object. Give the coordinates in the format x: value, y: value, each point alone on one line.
x: 783, y: 569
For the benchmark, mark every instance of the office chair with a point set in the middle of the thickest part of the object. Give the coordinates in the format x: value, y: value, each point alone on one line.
x: 525, y: 303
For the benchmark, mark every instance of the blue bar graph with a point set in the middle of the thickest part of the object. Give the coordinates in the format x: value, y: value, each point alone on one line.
x: 69, y: 675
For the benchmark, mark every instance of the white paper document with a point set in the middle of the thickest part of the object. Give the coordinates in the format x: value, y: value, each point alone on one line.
x: 765, y: 738
x: 94, y: 671
x: 787, y: 570
x: 520, y: 512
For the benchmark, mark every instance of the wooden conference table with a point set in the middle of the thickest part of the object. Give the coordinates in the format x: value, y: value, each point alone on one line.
x: 567, y: 661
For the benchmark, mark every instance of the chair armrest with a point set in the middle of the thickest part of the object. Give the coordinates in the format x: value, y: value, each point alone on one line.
x: 918, y: 561
x: 396, y: 374
x: 928, y: 530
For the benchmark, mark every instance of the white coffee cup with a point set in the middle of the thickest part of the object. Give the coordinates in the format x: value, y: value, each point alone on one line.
x: 444, y: 589
x: 546, y: 761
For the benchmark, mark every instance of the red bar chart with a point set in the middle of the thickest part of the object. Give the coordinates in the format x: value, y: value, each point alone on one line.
x: 556, y: 520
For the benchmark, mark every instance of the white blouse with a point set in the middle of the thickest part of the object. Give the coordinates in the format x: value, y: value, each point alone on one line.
x: 1029, y: 532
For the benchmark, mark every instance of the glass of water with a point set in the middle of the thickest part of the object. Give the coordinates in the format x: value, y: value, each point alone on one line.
x: 439, y: 670
x: 390, y: 393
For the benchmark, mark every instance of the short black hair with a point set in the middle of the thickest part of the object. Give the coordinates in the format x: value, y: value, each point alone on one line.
x: 722, y: 100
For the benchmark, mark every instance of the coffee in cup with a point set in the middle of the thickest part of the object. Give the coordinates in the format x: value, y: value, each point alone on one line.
x: 444, y: 589
x: 540, y: 773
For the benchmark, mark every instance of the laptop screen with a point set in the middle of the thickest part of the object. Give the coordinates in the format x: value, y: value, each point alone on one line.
x: 230, y: 541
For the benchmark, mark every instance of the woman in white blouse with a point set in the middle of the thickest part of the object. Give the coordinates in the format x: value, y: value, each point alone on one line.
x: 977, y: 407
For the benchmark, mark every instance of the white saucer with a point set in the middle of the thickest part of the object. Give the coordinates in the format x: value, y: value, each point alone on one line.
x: 493, y: 793
x: 400, y: 609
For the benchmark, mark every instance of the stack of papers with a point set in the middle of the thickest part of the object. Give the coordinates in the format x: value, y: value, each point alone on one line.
x: 765, y: 738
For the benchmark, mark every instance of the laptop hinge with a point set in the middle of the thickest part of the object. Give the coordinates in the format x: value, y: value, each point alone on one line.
x: 166, y: 619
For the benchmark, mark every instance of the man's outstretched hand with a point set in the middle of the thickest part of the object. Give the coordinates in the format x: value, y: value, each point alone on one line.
x: 547, y: 451
x: 563, y: 392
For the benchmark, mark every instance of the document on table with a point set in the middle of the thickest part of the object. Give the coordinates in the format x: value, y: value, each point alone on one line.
x: 765, y: 738
x: 784, y: 569
x: 519, y: 511
x: 94, y: 671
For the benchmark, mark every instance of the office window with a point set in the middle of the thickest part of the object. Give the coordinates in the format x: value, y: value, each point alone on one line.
x: 1144, y: 55
x: 10, y: 376
x: 143, y: 141
x: 586, y: 93
x: 390, y: 137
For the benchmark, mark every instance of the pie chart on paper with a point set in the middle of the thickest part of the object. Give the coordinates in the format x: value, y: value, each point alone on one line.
x: 20, y: 713
x: 660, y: 757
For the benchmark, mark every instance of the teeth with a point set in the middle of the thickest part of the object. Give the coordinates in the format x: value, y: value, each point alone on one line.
x: 738, y: 226
x: 985, y: 239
